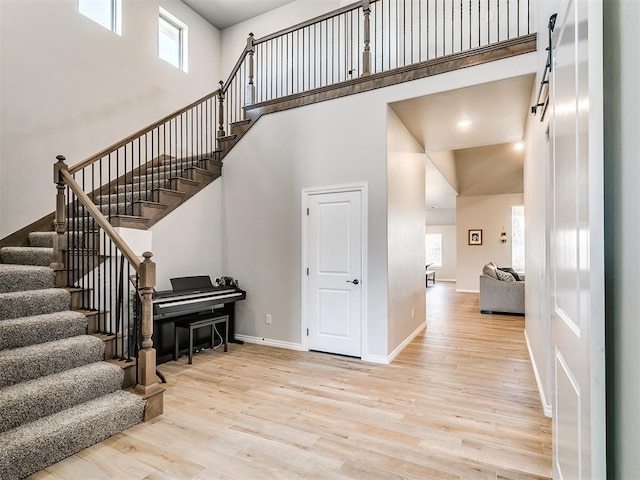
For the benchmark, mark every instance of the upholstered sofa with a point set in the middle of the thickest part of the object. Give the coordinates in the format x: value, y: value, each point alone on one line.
x: 499, y: 295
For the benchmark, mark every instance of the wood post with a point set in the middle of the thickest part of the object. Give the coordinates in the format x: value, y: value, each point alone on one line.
x: 147, y: 385
x: 60, y: 222
x: 221, y: 111
x: 366, y: 54
x: 251, y: 88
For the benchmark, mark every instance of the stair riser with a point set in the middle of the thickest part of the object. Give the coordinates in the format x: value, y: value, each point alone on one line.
x: 27, y: 256
x: 38, y: 302
x: 20, y: 365
x: 28, y: 402
x: 26, y: 279
x: 23, y: 332
x: 35, y: 446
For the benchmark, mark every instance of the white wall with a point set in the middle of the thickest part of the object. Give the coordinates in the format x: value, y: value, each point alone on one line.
x: 441, y: 216
x: 622, y: 227
x: 491, y: 213
x: 328, y: 143
x: 71, y: 87
x: 405, y: 234
x: 449, y: 251
x: 188, y: 242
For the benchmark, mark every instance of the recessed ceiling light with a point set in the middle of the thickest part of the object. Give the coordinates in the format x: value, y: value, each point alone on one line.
x: 464, y: 123
x: 519, y: 146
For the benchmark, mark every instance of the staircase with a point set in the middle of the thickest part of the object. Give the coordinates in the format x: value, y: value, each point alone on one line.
x: 57, y: 394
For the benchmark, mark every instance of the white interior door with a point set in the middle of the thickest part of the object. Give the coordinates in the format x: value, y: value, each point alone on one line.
x: 577, y: 246
x: 335, y: 272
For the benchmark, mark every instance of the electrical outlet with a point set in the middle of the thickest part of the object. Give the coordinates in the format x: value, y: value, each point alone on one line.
x: 268, y: 318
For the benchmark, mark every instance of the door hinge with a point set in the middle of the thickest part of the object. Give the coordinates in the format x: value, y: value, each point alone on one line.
x: 307, y: 271
x: 307, y: 332
x: 307, y: 211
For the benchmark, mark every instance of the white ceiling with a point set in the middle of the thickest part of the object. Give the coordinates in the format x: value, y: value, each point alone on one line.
x: 497, y: 110
x: 486, y: 162
x: 225, y: 13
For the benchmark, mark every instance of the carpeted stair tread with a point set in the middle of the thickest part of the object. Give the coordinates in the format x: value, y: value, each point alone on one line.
x: 25, y: 331
x: 27, y: 255
x: 33, y: 302
x: 15, y: 278
x: 42, y: 239
x: 130, y: 196
x: 44, y: 396
x: 31, y: 447
x: 26, y: 363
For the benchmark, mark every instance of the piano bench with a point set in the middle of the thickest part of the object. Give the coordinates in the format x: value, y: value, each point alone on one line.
x: 193, y: 325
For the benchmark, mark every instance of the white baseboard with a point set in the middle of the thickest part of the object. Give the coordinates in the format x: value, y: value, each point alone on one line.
x: 386, y: 360
x: 450, y: 280
x: 464, y: 290
x: 546, y: 406
x: 270, y: 342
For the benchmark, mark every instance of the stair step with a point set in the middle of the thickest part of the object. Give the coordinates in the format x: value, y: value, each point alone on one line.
x: 15, y: 278
x: 29, y: 401
x: 27, y: 255
x: 26, y: 363
x: 33, y: 302
x: 227, y: 138
x: 240, y: 123
x: 42, y: 239
x: 25, y: 331
x: 36, y: 445
x: 126, y: 196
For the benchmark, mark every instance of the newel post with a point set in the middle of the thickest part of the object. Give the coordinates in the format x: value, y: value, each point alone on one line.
x: 221, y: 111
x: 251, y: 88
x: 60, y: 222
x: 366, y: 54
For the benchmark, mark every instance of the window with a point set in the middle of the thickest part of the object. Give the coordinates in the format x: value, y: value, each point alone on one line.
x: 433, y: 244
x: 172, y: 40
x: 105, y: 12
x: 517, y: 238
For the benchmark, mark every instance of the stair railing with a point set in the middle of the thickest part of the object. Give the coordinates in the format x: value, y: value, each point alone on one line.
x: 369, y: 37
x: 91, y: 256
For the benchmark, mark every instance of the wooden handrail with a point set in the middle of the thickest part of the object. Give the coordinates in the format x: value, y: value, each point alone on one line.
x: 97, y: 215
x: 233, y: 73
x: 94, y: 158
x: 318, y: 19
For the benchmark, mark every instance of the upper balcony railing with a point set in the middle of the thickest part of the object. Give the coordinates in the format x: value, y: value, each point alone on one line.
x: 368, y: 37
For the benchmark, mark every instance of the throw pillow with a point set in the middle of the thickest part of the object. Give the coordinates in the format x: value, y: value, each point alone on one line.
x: 505, y: 276
x: 490, y: 271
x: 511, y: 271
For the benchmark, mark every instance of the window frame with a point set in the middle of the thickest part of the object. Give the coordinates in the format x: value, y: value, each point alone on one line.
x: 518, y: 268
x: 115, y: 22
x: 183, y: 36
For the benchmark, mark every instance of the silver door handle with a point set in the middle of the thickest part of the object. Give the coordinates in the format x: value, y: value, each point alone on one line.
x: 355, y: 282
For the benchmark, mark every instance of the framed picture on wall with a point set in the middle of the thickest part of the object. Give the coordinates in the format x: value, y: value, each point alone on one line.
x: 475, y: 236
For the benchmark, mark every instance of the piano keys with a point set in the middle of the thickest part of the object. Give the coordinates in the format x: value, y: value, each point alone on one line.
x: 191, y: 298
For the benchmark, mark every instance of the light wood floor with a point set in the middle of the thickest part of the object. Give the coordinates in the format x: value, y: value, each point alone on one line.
x: 459, y: 402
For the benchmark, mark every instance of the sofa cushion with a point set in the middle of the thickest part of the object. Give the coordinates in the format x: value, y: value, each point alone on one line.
x: 490, y: 270
x: 504, y: 276
x: 511, y: 271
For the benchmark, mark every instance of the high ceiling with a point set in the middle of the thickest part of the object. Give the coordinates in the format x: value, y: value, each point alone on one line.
x: 224, y: 13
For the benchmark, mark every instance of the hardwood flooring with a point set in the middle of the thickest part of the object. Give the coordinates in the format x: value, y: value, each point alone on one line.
x: 460, y: 402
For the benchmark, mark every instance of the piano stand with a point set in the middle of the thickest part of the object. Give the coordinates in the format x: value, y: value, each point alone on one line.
x: 193, y: 325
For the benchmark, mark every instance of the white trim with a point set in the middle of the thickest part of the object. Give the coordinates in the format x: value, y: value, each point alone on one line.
x: 386, y: 360
x: 465, y: 290
x: 445, y: 280
x: 546, y: 406
x: 270, y: 342
x: 363, y: 188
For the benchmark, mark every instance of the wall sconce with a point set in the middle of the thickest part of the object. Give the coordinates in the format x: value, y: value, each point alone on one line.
x: 503, y: 236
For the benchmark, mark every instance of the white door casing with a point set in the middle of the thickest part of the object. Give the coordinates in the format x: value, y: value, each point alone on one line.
x: 577, y: 249
x: 333, y: 254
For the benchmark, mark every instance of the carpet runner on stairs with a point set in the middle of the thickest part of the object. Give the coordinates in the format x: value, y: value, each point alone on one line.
x: 57, y: 395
